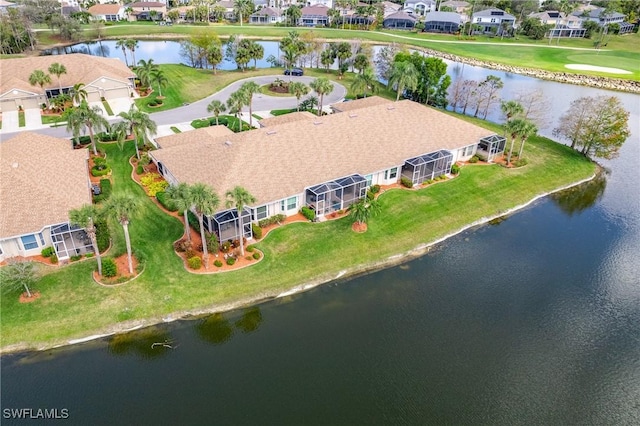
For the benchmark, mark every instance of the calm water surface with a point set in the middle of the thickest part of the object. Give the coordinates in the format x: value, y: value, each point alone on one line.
x: 532, y: 320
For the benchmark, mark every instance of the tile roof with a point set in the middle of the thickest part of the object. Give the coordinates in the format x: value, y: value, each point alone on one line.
x: 286, y: 118
x: 359, y: 103
x: 267, y: 11
x: 146, y: 4
x: 315, y: 10
x: 185, y: 137
x: 443, y: 17
x: 401, y: 15
x: 41, y: 179
x: 273, y: 165
x: 105, y: 9
x: 81, y: 68
x: 493, y: 13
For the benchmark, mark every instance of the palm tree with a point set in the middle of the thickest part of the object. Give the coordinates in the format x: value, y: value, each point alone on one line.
x: 242, y: 8
x: 365, y: 81
x: 87, y: 117
x: 132, y: 45
x: 84, y: 218
x: 239, y: 197
x: 158, y: 77
x: 214, y: 56
x: 121, y: 207
x: 290, y: 55
x: 403, y: 75
x: 144, y: 71
x: 180, y: 194
x: 216, y: 107
x: 514, y: 128
x: 205, y: 202
x: 58, y: 69
x: 78, y: 93
x: 528, y: 129
x: 140, y: 125
x: 249, y: 89
x: 40, y: 78
x: 298, y: 89
x: 122, y: 44
x: 121, y: 131
x: 236, y: 102
x: 511, y: 109
x: 363, y: 210
x: 322, y: 86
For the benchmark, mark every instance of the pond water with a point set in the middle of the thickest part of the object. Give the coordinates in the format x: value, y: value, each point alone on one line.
x: 531, y: 320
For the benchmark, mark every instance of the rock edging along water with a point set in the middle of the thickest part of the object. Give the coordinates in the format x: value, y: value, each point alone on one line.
x: 390, y: 261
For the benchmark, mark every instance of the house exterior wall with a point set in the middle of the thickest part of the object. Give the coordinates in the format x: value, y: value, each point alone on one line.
x: 15, y: 246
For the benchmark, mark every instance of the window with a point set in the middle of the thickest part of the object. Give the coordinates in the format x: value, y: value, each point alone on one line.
x: 1, y: 252
x: 261, y: 212
x: 29, y: 242
x: 493, y: 20
x: 41, y: 239
x: 478, y: 19
x: 289, y: 204
x: 369, y: 179
x: 391, y: 173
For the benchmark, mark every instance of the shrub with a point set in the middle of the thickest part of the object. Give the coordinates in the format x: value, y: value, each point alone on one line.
x: 307, y: 212
x: 278, y: 218
x: 406, y: 182
x: 375, y: 189
x: 144, y: 160
x: 109, y: 268
x: 256, y: 255
x: 212, y: 242
x: 53, y: 259
x: 89, y: 255
x: 100, y: 171
x: 139, y: 169
x: 474, y: 159
x: 193, y: 221
x: 153, y: 183
x: 481, y: 157
x: 75, y: 258
x: 102, y: 234
x: 521, y: 162
x: 250, y: 248
x: 370, y: 195
x: 249, y: 258
x: 194, y: 262
x: 231, y: 260
x: 226, y: 246
x: 165, y: 202
x: 257, y: 231
x: 105, y: 187
x: 218, y: 263
x: 99, y: 161
x: 47, y: 252
x: 455, y: 169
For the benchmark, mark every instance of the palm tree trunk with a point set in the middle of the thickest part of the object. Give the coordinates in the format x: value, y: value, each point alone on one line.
x: 205, y: 253
x: 93, y: 141
x: 91, y: 230
x: 26, y: 289
x: 124, y: 53
x: 522, y: 141
x: 217, y: 119
x: 250, y: 114
x: 186, y: 225
x: 135, y: 143
x: 398, y: 94
x: 125, y: 226
x: 241, y: 237
x: 510, y: 151
x: 320, y: 105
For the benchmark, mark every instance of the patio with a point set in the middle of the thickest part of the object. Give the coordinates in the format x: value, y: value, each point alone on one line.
x: 491, y: 146
x: 336, y: 195
x: 70, y: 241
x: 226, y: 224
x: 428, y: 166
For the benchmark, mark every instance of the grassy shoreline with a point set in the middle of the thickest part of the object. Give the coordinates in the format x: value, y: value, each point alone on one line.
x: 297, y: 256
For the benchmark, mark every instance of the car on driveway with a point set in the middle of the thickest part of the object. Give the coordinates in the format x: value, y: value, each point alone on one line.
x: 294, y: 71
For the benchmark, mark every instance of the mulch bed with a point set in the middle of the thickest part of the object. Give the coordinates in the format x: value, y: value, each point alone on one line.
x: 24, y: 297
x: 123, y: 275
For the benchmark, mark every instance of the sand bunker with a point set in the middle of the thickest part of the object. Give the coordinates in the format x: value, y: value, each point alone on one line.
x: 584, y: 67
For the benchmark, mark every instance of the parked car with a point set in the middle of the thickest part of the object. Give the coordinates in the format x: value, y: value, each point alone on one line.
x: 294, y: 71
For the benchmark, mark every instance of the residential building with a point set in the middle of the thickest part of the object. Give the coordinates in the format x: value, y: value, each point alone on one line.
x: 603, y: 19
x: 314, y: 16
x: 390, y: 8
x: 563, y: 25
x: 326, y: 163
x: 462, y: 8
x: 102, y: 77
x: 35, y: 210
x: 419, y: 7
x: 493, y: 21
x: 142, y: 11
x: 400, y: 20
x: 442, y: 22
x: 107, y: 12
x: 267, y: 15
x: 5, y: 5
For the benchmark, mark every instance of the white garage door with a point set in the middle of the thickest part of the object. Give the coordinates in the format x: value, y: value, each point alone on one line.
x: 120, y: 92
x: 93, y: 96
x: 8, y: 105
x: 28, y: 103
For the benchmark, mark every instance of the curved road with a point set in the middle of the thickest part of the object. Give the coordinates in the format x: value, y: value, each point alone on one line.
x: 198, y: 109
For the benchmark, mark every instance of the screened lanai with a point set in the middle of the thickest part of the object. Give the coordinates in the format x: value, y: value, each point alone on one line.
x: 491, y: 147
x: 70, y: 241
x: 427, y: 166
x: 336, y: 195
x: 226, y: 224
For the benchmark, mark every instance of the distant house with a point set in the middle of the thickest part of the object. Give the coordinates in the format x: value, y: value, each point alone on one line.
x: 563, y: 25
x: 493, y: 21
x: 107, y: 12
x: 419, y: 7
x: 390, y: 8
x: 267, y: 15
x: 5, y: 5
x: 314, y: 16
x: 603, y: 19
x: 229, y: 14
x: 442, y: 22
x: 35, y: 213
x: 400, y: 20
x: 459, y: 7
x: 141, y: 11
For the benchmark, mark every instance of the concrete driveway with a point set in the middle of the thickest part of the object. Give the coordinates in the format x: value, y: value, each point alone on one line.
x: 10, y: 121
x: 32, y: 119
x: 119, y: 105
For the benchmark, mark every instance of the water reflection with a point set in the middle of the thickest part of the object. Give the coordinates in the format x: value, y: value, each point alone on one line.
x: 579, y: 198
x: 250, y: 320
x: 215, y: 329
x: 147, y: 343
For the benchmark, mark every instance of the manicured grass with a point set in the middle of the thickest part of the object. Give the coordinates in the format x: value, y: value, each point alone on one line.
x: 224, y: 120
x: 107, y: 108
x: 256, y: 116
x: 72, y: 305
x: 21, y: 119
x: 175, y: 129
x: 277, y: 112
x: 264, y: 89
x: 50, y: 119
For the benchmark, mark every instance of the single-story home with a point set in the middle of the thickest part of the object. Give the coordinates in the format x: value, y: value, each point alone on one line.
x: 442, y: 22
x: 325, y: 163
x: 400, y: 20
x: 314, y: 16
x: 267, y: 15
x: 35, y: 210
x: 102, y: 77
x: 141, y: 11
x: 107, y: 12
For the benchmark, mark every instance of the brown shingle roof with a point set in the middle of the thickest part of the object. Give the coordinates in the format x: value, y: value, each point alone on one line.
x: 274, y: 165
x: 151, y: 4
x: 185, y: 137
x: 81, y: 68
x: 286, y: 118
x: 104, y: 9
x: 41, y: 179
x: 359, y: 103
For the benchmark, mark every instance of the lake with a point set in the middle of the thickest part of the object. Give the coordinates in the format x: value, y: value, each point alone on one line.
x: 534, y: 319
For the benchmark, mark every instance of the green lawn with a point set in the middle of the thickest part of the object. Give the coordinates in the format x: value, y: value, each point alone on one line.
x: 50, y: 119
x: 21, y: 119
x: 72, y: 305
x: 107, y: 108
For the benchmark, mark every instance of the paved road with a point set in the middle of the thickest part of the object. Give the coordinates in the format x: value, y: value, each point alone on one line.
x: 199, y: 109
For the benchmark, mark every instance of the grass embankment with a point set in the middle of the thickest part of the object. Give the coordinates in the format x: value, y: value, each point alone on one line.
x: 72, y: 305
x: 620, y: 52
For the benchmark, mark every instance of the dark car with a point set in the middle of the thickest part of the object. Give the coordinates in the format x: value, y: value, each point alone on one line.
x: 294, y: 71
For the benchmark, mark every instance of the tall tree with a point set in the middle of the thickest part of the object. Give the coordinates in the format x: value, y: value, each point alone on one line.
x: 78, y: 93
x: 322, y: 86
x: 250, y: 88
x: 216, y: 107
x: 85, y: 217
x: 180, y: 194
x: 58, y: 69
x: 214, y: 56
x: 528, y: 129
x: 511, y: 109
x: 490, y: 86
x: 235, y: 103
x: 121, y: 207
x: 145, y: 70
x: 433, y: 80
x: 403, y: 75
x: 360, y: 62
x: 364, y: 82
x: 140, y: 124
x: 298, y: 89
x: 239, y: 197
x: 243, y: 8
x: 205, y: 202
x: 122, y: 44
x: 132, y: 45
x: 514, y: 128
x: 599, y: 125
x: 159, y: 79
x: 40, y: 78
x: 89, y: 117
x: 18, y: 274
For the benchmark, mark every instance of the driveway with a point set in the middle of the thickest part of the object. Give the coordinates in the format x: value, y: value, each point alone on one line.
x: 10, y: 121
x: 32, y: 119
x: 119, y: 105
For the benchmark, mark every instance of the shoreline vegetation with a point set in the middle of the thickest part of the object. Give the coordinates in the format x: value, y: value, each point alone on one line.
x: 298, y: 257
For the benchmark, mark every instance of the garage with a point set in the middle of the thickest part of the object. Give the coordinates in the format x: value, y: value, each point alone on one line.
x: 119, y: 92
x: 8, y: 105
x: 30, y: 103
x: 93, y: 96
